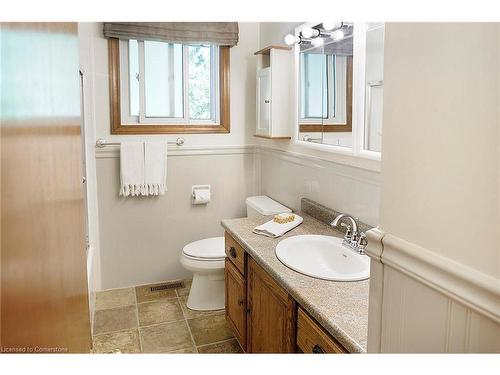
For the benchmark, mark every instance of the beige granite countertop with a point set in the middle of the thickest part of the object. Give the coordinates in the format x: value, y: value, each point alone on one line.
x: 340, y: 307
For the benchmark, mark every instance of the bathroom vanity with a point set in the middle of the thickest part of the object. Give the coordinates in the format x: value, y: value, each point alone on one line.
x: 273, y: 309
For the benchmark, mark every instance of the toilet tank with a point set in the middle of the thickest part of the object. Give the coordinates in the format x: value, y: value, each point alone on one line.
x: 262, y: 205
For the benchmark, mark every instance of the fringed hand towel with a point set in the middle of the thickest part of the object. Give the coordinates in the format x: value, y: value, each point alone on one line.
x: 155, y: 168
x: 132, y: 169
x: 273, y: 229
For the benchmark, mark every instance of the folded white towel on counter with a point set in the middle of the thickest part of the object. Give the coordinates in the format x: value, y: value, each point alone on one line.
x: 155, y: 168
x: 274, y: 229
x: 132, y: 169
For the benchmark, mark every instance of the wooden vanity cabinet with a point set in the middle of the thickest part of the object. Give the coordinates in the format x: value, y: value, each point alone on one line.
x: 271, y: 314
x: 262, y: 315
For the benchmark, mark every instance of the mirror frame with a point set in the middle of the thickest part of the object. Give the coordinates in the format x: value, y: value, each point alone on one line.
x: 358, y: 102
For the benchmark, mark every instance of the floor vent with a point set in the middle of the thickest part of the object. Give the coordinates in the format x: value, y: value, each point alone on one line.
x: 172, y: 285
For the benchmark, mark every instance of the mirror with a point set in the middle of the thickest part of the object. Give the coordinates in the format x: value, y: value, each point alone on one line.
x: 374, y: 81
x: 325, y: 89
x: 330, y: 60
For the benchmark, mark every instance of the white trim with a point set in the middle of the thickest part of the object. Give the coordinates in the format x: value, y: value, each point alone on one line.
x: 114, y: 151
x: 365, y: 175
x: 472, y: 288
x: 295, y: 157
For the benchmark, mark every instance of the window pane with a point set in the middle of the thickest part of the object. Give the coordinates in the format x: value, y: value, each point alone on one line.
x: 163, y: 79
x: 200, y: 83
x: 314, y: 93
x: 133, y: 69
x: 333, y: 90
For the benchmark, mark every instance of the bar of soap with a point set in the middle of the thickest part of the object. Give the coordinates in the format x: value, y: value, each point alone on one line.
x: 284, y: 218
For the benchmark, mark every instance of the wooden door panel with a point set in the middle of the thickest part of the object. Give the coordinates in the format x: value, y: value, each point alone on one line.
x: 271, y: 318
x: 236, y: 302
x: 44, y: 298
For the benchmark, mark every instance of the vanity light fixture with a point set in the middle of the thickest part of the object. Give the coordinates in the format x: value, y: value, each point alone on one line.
x: 315, y: 35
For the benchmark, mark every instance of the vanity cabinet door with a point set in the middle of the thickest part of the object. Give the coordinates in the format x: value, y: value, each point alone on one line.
x: 236, y: 314
x: 271, y: 314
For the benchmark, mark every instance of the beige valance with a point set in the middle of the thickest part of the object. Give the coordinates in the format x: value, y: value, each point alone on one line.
x: 219, y: 33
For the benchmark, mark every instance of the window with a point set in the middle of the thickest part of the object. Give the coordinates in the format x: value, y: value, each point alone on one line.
x: 325, y: 92
x: 159, y: 88
x: 314, y: 81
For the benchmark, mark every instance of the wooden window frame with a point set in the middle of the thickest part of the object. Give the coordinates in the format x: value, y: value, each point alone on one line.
x: 334, y: 128
x: 115, y: 103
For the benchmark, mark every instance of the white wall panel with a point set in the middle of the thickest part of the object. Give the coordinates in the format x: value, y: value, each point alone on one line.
x: 142, y: 237
x: 289, y: 177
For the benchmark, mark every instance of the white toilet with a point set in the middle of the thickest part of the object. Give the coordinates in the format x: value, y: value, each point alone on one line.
x: 205, y: 259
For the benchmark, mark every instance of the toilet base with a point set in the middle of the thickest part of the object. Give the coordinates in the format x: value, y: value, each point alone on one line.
x: 207, y: 292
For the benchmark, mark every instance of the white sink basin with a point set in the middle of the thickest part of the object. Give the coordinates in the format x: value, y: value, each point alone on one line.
x: 323, y: 257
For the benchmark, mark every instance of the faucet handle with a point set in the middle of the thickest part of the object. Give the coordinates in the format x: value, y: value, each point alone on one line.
x: 362, y: 242
x: 348, y: 231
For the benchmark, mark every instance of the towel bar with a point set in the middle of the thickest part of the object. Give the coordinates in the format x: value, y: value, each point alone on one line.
x: 102, y: 142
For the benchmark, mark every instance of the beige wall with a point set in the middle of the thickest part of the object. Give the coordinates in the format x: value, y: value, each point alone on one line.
x: 273, y: 33
x: 440, y: 158
x: 435, y: 275
x: 141, y: 239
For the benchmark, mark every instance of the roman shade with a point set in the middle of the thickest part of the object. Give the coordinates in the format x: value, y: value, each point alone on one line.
x: 219, y: 33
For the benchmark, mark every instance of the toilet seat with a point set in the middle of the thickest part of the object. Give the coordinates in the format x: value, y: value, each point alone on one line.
x: 208, y: 249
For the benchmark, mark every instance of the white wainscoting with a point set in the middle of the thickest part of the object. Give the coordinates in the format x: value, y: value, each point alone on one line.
x: 142, y: 238
x: 289, y: 176
x: 423, y: 302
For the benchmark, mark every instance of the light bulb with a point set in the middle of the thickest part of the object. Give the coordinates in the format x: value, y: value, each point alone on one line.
x: 307, y: 32
x: 337, y: 35
x: 317, y: 42
x: 331, y: 25
x: 290, y: 39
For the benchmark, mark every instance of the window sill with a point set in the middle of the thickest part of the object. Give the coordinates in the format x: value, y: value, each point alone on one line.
x: 169, y: 129
x: 368, y: 160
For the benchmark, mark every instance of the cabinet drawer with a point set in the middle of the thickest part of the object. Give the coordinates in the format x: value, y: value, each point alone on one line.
x: 312, y: 338
x: 235, y: 253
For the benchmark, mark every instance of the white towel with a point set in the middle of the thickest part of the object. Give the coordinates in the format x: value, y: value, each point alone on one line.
x: 132, y: 169
x: 273, y: 229
x: 155, y: 167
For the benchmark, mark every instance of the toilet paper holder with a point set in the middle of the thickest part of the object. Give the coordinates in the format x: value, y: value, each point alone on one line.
x: 199, y: 188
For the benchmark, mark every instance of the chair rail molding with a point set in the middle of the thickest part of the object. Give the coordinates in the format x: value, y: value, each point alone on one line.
x: 464, y: 290
x: 114, y: 150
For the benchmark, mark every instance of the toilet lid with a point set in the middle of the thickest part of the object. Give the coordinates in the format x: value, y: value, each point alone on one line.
x: 208, y: 248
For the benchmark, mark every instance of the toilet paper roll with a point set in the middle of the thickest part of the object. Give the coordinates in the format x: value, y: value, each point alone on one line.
x: 201, y: 196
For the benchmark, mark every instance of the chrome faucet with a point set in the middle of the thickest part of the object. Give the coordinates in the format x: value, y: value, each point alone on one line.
x: 352, y: 239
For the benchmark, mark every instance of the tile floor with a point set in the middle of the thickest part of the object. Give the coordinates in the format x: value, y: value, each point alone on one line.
x: 136, y: 320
